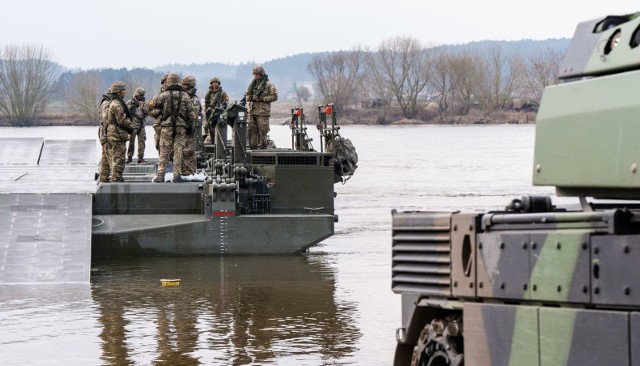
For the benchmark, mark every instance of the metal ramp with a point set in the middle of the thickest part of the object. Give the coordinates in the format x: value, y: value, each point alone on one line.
x: 46, y: 189
x: 21, y: 152
x: 47, y: 238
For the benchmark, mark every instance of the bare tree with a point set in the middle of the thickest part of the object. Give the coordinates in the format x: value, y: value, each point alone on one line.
x: 338, y: 76
x: 407, y: 68
x: 454, y: 82
x: 84, y: 94
x: 303, y: 93
x: 27, y: 75
x: 444, y: 83
x: 542, y: 71
x: 500, y: 78
x: 375, y: 88
x: 467, y: 77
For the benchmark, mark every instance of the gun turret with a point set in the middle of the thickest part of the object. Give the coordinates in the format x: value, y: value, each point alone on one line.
x: 586, y: 129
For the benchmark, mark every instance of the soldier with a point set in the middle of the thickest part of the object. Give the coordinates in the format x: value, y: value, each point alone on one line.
x: 155, y: 113
x: 139, y: 112
x: 215, y: 98
x: 118, y: 130
x: 260, y: 94
x: 177, y: 117
x: 189, y: 152
x: 105, y: 160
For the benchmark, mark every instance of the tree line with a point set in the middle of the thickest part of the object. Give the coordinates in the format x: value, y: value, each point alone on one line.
x: 400, y: 77
x: 403, y: 75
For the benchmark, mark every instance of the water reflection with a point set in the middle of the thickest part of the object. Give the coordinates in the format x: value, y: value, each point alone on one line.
x: 48, y: 324
x: 239, y: 310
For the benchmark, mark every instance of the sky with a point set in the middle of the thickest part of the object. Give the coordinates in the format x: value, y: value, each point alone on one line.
x: 143, y: 33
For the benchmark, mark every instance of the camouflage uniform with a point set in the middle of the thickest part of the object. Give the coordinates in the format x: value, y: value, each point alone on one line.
x: 260, y: 94
x: 155, y: 114
x: 119, y: 128
x: 189, y: 164
x: 105, y: 161
x: 138, y: 110
x: 176, y: 115
x: 216, y: 97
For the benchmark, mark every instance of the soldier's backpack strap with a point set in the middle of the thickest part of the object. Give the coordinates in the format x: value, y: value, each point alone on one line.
x: 175, y: 110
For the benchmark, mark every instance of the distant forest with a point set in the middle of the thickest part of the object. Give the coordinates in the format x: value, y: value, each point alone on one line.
x: 284, y: 72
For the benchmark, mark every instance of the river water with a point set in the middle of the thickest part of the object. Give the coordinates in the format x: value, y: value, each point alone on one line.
x: 331, y: 306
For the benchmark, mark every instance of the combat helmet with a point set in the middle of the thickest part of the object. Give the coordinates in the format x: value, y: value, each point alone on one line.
x: 164, y: 78
x: 117, y: 87
x: 173, y: 78
x: 214, y: 80
x: 189, y: 81
x: 140, y: 92
x: 258, y: 70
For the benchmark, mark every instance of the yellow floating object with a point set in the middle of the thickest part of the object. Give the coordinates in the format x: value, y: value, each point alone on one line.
x: 170, y: 282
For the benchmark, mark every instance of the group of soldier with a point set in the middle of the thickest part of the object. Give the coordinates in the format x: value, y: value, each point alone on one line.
x: 176, y: 111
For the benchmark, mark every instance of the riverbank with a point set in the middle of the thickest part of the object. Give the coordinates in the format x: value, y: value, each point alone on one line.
x: 281, y: 114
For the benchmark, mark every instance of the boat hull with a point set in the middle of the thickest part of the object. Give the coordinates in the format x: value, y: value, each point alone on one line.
x: 170, y: 235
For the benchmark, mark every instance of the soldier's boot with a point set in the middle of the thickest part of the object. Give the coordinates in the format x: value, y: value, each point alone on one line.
x: 103, y: 178
x: 129, y: 159
x: 177, y: 179
x: 158, y: 179
x: 141, y: 160
x: 117, y: 179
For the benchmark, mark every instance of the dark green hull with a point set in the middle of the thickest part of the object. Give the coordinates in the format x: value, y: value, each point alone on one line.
x: 138, y: 218
x: 156, y: 235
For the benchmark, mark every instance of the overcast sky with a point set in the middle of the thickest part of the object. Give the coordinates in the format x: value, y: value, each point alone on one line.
x: 145, y: 33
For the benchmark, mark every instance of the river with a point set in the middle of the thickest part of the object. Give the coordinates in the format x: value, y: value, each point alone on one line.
x: 331, y: 306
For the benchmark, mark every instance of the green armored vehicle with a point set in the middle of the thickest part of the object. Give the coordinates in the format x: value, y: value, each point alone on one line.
x: 536, y: 284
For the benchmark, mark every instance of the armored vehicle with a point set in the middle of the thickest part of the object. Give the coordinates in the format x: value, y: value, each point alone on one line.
x: 243, y: 202
x: 537, y: 284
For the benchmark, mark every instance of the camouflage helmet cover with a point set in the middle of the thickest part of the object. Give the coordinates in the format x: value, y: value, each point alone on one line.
x: 140, y: 91
x: 189, y: 81
x: 117, y: 87
x: 258, y: 70
x: 164, y: 78
x: 214, y: 80
x: 173, y: 78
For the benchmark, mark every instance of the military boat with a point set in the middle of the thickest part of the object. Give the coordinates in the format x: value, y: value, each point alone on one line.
x: 537, y: 284
x: 243, y: 202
